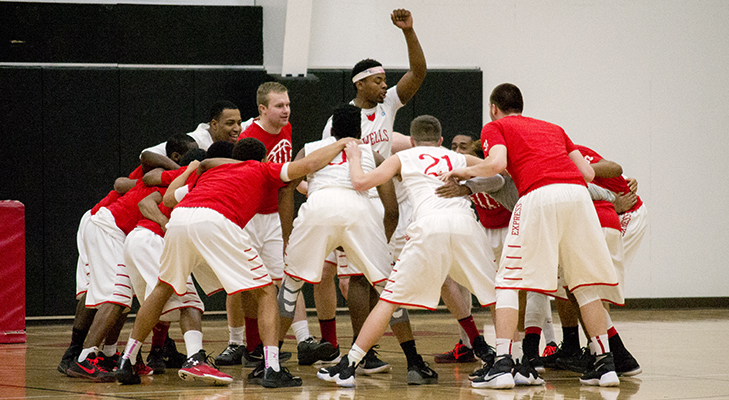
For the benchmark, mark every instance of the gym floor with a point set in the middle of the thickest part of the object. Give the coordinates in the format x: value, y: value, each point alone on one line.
x: 683, y: 354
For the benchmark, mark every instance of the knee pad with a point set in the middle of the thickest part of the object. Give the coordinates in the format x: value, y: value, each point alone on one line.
x: 287, y: 295
x: 535, y: 309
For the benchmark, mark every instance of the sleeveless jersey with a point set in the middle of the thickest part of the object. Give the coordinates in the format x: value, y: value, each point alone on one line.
x: 336, y: 174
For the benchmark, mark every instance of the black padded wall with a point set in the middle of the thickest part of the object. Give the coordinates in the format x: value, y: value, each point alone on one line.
x: 81, y: 160
x: 21, y: 160
x: 130, y: 34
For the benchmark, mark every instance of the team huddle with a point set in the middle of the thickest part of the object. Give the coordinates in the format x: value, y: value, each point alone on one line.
x: 391, y: 215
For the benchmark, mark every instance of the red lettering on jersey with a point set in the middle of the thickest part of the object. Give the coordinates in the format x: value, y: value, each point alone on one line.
x: 435, y: 163
x: 344, y: 159
x: 516, y: 217
x: 375, y: 137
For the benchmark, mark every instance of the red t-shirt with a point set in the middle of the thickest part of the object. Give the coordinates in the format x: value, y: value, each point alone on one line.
x: 114, y: 195
x: 606, y: 214
x: 153, y: 226
x: 617, y: 184
x: 490, y: 212
x: 235, y: 190
x: 279, y: 150
x: 126, y: 210
x: 537, y: 152
x: 170, y: 175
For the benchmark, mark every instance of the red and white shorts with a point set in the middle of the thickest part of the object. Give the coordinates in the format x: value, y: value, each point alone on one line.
x: 265, y: 233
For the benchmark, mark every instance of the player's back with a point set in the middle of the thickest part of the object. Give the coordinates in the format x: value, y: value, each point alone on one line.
x: 336, y: 173
x: 420, y: 167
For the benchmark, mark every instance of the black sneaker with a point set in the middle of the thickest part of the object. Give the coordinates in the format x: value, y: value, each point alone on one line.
x: 90, y: 369
x: 71, y: 354
x: 342, y: 373
x: 126, y: 374
x: 156, y: 360
x: 173, y: 358
x: 232, y: 355
x: 576, y: 363
x: 310, y: 351
x: 479, y: 372
x: 108, y: 362
x: 332, y: 358
x: 625, y: 363
x: 282, y: 378
x: 526, y: 375
x: 256, y: 376
x: 602, y: 372
x: 371, y: 364
x: 483, y: 351
x: 255, y: 357
x: 550, y: 361
x: 421, y: 374
x: 499, y: 376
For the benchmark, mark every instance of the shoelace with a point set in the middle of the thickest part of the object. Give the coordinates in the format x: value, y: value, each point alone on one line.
x: 95, y: 363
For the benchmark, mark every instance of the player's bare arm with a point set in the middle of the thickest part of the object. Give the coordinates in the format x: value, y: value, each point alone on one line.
x: 388, y: 197
x: 361, y: 181
x: 632, y: 184
x: 607, y: 169
x: 318, y: 159
x: 400, y: 142
x: 624, y: 202
x: 153, y: 177
x: 411, y: 81
x: 169, y: 199
x: 123, y: 184
x: 286, y: 209
x: 494, y: 164
x: 151, y: 160
x: 149, y: 207
x: 585, y: 169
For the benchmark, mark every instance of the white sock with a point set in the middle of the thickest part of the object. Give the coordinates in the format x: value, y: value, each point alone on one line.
x: 193, y: 342
x: 132, y: 349
x: 516, y: 351
x: 548, y: 328
x: 271, y: 357
x: 301, y: 330
x: 85, y: 353
x: 237, y: 335
x: 109, y: 349
x: 599, y: 344
x: 503, y: 346
x: 356, y: 354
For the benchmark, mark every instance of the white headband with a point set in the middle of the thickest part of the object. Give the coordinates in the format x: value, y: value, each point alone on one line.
x: 368, y: 72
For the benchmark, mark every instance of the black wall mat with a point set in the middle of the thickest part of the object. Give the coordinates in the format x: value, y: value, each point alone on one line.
x: 130, y: 34
x: 154, y: 104
x: 238, y: 86
x: 21, y: 157
x: 81, y: 161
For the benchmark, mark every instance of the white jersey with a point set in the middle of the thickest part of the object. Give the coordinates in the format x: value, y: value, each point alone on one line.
x: 336, y: 174
x: 420, y: 167
x: 201, y: 135
x: 377, y: 123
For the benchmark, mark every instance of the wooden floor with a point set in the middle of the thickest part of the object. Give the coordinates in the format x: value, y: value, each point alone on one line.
x: 684, y: 355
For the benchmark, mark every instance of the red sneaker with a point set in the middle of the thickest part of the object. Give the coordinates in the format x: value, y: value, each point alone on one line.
x: 550, y: 349
x: 198, y: 367
x: 460, y: 354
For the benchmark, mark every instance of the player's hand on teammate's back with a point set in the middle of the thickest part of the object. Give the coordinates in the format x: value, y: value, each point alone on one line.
x: 451, y: 188
x: 632, y: 184
x: 625, y: 202
x: 402, y: 19
x: 352, y: 149
x: 457, y: 174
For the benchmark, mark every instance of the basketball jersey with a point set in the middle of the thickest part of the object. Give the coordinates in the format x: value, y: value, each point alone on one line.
x: 336, y: 173
x: 420, y: 167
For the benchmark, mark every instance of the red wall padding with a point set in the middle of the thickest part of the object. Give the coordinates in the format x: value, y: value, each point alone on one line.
x: 12, y: 272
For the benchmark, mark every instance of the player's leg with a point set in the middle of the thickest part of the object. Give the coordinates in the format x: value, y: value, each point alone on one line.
x: 233, y: 354
x: 453, y: 298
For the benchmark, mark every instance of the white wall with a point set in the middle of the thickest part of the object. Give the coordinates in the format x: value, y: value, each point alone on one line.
x: 645, y: 83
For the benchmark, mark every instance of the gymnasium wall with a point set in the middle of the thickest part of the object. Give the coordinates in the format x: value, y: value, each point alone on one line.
x: 70, y: 129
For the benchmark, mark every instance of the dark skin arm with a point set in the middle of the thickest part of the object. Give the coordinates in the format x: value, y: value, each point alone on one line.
x: 388, y: 197
x: 149, y: 207
x: 169, y: 197
x: 151, y: 160
x: 123, y: 184
x: 607, y: 169
x: 153, y: 177
x: 411, y: 81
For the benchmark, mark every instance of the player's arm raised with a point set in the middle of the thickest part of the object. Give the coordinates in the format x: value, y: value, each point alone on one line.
x: 411, y: 81
x: 316, y: 160
x: 494, y: 164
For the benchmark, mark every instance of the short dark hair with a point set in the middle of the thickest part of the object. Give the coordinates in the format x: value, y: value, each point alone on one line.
x: 470, y: 134
x: 179, y: 143
x: 361, y: 66
x: 249, y: 149
x: 507, y: 97
x: 192, y: 154
x: 347, y: 121
x: 218, y: 108
x: 220, y: 149
x: 425, y: 128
